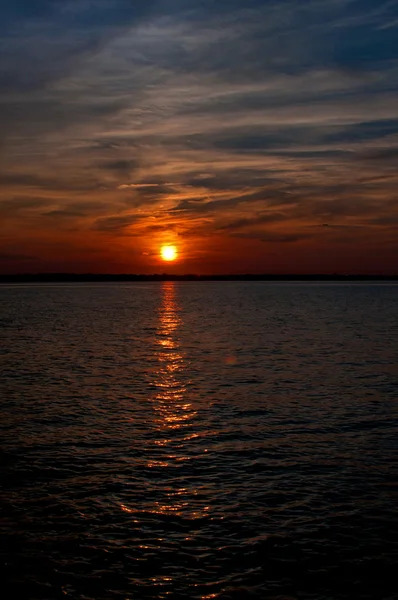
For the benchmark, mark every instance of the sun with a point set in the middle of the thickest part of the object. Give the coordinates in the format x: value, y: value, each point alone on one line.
x: 168, y: 253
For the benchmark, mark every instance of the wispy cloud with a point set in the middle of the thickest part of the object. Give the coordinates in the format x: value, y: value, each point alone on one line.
x: 227, y: 119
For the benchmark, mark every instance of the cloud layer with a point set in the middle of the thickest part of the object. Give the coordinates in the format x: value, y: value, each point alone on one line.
x: 258, y: 136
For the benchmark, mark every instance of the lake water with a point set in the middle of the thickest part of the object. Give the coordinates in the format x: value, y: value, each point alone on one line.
x: 199, y: 440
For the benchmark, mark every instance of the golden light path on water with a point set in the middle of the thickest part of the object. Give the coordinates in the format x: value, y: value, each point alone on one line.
x: 174, y: 416
x: 171, y: 495
x: 174, y: 412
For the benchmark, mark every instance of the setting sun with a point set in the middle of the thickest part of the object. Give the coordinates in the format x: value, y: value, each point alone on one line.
x: 168, y: 253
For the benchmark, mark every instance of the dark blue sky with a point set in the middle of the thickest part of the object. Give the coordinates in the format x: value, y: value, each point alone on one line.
x: 235, y: 130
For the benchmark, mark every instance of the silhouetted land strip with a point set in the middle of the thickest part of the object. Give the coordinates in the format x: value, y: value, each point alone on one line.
x: 96, y: 277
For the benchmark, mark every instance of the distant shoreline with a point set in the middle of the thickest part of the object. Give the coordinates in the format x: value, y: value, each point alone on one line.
x: 96, y: 277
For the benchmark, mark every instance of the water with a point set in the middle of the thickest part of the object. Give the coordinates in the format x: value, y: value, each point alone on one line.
x: 199, y: 440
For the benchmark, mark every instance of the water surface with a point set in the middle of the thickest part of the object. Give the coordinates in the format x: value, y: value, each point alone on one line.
x: 200, y: 440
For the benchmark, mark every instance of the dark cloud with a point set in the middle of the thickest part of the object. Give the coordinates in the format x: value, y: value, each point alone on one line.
x: 43, y: 182
x: 338, y: 207
x: 253, y: 221
x: 44, y: 40
x: 387, y: 220
x: 280, y: 238
x: 121, y: 167
x: 69, y: 213
x: 116, y: 223
x: 158, y: 228
x: 148, y: 191
x: 27, y: 179
x: 202, y: 205
x: 235, y: 179
x: 75, y: 210
x: 17, y: 205
x: 387, y: 156
x: 275, y: 237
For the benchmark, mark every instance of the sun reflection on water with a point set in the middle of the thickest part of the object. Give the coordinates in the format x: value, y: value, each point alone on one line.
x: 173, y: 409
x: 174, y: 413
x: 173, y: 422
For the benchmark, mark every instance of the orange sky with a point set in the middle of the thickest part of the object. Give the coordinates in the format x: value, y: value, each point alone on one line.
x: 123, y: 130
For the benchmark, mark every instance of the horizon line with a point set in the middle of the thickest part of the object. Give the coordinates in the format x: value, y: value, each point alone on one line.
x: 71, y: 276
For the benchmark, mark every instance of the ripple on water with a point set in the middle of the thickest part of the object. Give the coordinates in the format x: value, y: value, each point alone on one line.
x: 178, y: 440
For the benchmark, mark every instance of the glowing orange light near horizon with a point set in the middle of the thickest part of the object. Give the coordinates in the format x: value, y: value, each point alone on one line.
x: 168, y: 253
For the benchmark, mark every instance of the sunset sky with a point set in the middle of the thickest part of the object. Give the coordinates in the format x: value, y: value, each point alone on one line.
x: 254, y: 136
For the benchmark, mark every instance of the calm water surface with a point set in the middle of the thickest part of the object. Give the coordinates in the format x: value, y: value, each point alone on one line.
x: 199, y: 440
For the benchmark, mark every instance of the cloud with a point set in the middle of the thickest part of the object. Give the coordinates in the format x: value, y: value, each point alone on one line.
x: 122, y: 167
x: 19, y: 207
x: 255, y: 221
x: 280, y: 238
x: 145, y: 187
x: 24, y: 202
x: 44, y: 40
x: 69, y: 213
x: 116, y: 223
x: 387, y: 156
x: 226, y: 118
